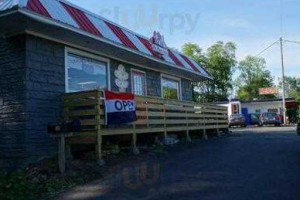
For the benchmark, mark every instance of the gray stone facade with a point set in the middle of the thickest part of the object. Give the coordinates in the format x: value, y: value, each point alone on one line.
x: 13, y: 102
x: 45, y: 71
x: 32, y: 80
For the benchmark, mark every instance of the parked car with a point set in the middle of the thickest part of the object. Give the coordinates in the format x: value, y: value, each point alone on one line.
x: 269, y: 119
x: 237, y: 120
x: 254, y: 119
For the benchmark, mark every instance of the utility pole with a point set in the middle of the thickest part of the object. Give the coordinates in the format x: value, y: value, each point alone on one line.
x: 283, y: 82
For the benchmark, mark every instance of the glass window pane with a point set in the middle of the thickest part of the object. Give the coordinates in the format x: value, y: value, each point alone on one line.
x: 139, y: 83
x: 85, y: 73
x: 170, y: 88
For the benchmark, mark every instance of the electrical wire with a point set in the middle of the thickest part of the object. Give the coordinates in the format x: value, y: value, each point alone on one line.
x: 267, y: 48
x: 291, y: 41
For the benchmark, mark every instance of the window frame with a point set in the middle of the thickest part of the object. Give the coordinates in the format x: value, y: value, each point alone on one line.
x: 88, y: 55
x: 174, y: 79
x: 132, y: 80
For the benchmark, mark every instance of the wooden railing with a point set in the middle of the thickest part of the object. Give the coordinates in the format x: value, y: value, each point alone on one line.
x: 154, y: 115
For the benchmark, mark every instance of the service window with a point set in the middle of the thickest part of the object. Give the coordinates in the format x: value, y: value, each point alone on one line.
x: 138, y: 81
x: 170, y: 88
x: 84, y: 72
x: 235, y: 109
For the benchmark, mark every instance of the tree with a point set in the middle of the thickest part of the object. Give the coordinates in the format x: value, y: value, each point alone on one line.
x: 253, y: 75
x: 292, y: 87
x: 219, y: 61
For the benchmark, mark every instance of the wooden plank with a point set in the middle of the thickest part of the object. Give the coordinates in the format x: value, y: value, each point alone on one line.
x: 88, y: 102
x: 82, y: 94
x: 84, y: 113
x: 91, y: 122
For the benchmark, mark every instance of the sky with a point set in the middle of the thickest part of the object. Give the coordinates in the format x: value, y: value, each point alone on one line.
x: 251, y: 24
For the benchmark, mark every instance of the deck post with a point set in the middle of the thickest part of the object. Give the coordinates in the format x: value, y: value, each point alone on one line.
x: 69, y: 152
x: 218, y: 129
x: 165, y: 122
x: 61, y: 154
x: 188, y: 137
x: 135, y: 150
x: 204, y: 129
x: 204, y: 135
x: 100, y: 161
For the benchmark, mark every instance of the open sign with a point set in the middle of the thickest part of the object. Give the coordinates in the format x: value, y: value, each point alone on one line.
x: 123, y: 105
x: 119, y: 108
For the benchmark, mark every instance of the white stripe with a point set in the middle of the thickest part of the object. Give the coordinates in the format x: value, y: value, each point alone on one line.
x: 104, y: 29
x: 23, y: 3
x: 115, y: 105
x: 7, y: 4
x: 58, y: 12
x: 137, y: 42
x: 168, y: 59
x: 199, y: 67
x: 185, y: 64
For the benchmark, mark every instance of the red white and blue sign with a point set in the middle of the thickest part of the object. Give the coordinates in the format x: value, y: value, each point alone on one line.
x: 119, y: 108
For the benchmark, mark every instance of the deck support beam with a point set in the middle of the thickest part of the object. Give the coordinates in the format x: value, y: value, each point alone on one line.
x: 204, y: 135
x: 135, y: 150
x: 61, y: 154
x: 69, y: 152
x: 188, y: 137
x: 100, y: 161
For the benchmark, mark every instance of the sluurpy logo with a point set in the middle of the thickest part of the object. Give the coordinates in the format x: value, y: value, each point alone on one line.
x: 150, y: 18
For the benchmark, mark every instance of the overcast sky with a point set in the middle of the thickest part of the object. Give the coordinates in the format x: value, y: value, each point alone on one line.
x: 251, y: 24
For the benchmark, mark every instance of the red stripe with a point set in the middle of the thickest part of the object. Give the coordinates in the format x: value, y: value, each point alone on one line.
x: 190, y: 63
x: 148, y: 45
x: 121, y: 35
x: 37, y: 6
x: 173, y: 57
x: 82, y: 20
x: 122, y: 96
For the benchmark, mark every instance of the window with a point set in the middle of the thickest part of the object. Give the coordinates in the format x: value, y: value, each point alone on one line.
x: 170, y: 88
x: 235, y: 108
x: 85, y: 72
x: 138, y: 80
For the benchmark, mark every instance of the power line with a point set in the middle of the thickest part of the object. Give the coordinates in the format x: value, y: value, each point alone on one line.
x: 291, y: 41
x: 267, y: 48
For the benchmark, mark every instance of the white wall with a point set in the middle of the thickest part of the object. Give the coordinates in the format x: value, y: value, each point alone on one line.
x: 263, y: 106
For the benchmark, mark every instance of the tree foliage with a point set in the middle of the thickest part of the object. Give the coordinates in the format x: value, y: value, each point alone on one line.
x: 253, y: 75
x: 292, y: 87
x: 219, y: 61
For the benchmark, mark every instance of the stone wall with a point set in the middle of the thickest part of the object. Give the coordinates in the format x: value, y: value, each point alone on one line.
x: 12, y: 102
x: 45, y: 68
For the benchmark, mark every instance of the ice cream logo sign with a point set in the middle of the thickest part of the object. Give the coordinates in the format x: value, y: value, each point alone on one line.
x: 158, y: 43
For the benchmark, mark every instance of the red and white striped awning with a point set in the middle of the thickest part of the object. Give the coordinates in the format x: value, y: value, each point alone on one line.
x: 67, y: 13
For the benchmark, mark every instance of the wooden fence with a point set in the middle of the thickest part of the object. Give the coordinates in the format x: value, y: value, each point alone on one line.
x: 154, y: 115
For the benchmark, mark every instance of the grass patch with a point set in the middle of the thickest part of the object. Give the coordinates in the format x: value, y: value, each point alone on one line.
x: 43, y: 181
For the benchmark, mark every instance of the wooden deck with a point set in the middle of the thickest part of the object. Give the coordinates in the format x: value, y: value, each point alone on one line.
x: 155, y: 115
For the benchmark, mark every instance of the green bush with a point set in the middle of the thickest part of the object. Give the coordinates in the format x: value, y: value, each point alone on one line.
x: 15, y: 186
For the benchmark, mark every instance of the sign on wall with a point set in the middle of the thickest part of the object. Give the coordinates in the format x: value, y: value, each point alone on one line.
x: 121, y: 78
x: 269, y: 90
x: 119, y: 108
x: 158, y: 43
